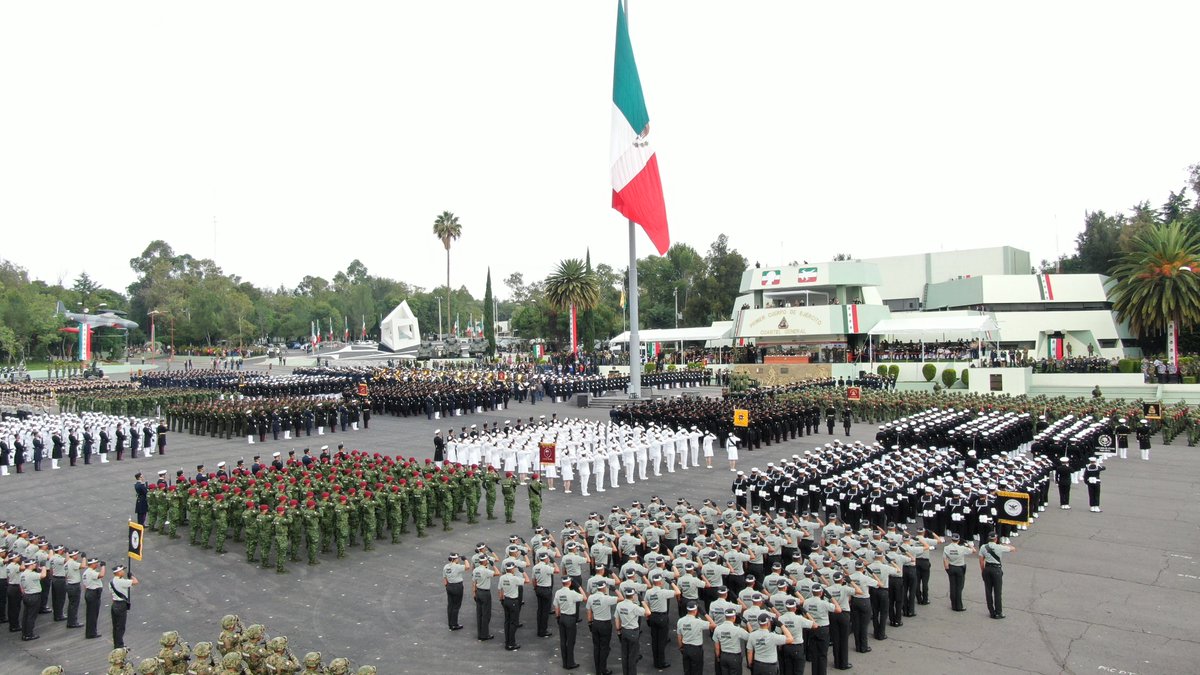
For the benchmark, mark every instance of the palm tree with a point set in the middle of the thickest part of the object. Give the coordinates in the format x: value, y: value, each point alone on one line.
x: 573, y: 284
x: 447, y: 228
x: 1156, y: 281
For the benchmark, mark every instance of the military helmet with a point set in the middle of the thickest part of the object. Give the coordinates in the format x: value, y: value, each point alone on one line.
x: 312, y: 660
x: 53, y: 670
x: 339, y: 666
x: 148, y: 666
x: 255, y: 631
x: 202, y: 650
x: 232, y: 661
x: 230, y: 621
x: 117, y: 656
x: 169, y: 638
x: 367, y: 670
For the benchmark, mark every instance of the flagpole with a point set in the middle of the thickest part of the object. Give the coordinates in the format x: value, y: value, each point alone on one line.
x: 635, y: 361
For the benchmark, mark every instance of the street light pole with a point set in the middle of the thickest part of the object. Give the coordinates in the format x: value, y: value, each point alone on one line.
x: 439, y: 301
x: 678, y: 343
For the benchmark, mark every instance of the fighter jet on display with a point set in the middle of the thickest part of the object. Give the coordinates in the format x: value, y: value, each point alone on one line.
x: 88, y: 323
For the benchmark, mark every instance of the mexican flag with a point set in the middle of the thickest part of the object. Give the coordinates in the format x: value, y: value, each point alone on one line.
x: 770, y: 278
x: 806, y: 275
x: 637, y: 188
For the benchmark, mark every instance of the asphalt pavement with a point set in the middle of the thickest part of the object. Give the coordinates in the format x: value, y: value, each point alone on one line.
x: 1117, y: 591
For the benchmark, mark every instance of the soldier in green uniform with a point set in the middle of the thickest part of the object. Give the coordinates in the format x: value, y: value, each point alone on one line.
x: 279, y: 659
x: 250, y: 518
x: 341, y: 513
x: 327, y: 523
x: 368, y: 521
x: 395, y: 512
x: 282, y: 525
x: 535, y: 499
x: 173, y: 656
x: 295, y: 530
x: 446, y: 495
x: 251, y: 648
x: 508, y: 487
x: 118, y: 662
x: 313, y: 665
x: 203, y: 662
x: 312, y: 530
x: 205, y: 517
x: 472, y: 490
x: 193, y: 509
x: 418, y: 506
x: 175, y: 511
x: 152, y: 493
x: 266, y: 532
x: 231, y: 634
x: 355, y: 513
x: 220, y: 520
x: 490, y: 478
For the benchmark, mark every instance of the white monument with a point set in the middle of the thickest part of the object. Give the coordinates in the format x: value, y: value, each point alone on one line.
x: 399, y: 331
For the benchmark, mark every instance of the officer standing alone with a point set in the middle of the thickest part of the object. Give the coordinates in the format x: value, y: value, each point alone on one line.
x: 993, y: 573
x: 120, y: 587
x: 452, y: 579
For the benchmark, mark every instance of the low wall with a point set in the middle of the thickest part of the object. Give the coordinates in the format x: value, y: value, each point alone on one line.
x: 774, y: 374
x: 1013, y: 381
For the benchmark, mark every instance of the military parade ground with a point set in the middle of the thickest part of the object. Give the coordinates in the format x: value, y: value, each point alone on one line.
x: 1113, y: 591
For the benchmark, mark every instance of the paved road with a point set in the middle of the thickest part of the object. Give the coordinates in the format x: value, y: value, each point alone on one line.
x: 1109, y: 592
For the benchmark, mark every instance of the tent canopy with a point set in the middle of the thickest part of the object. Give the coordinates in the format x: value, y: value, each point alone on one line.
x: 932, y: 323
x: 720, y: 330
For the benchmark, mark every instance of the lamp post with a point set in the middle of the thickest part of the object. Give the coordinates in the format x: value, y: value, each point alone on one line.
x: 678, y: 343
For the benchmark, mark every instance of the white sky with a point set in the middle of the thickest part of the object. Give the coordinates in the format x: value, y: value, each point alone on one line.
x: 316, y: 133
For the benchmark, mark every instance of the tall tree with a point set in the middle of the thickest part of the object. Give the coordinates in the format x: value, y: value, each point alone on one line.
x: 489, y: 315
x: 447, y: 228
x: 572, y: 284
x: 1157, y: 281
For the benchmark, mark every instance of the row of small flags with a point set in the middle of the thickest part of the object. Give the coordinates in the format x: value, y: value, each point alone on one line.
x: 805, y: 275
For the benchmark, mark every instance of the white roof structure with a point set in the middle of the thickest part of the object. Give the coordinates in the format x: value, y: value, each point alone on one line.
x: 720, y: 330
x: 399, y: 331
x: 935, y: 323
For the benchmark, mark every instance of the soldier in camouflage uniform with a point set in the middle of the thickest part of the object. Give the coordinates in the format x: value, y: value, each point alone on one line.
x: 368, y: 521
x: 250, y: 518
x: 231, y: 634
x: 509, y: 488
x: 280, y: 660
x: 446, y: 496
x: 339, y: 666
x: 220, y: 520
x: 490, y: 478
x: 150, y: 667
x: 312, y: 529
x: 266, y: 535
x: 174, y: 510
x: 395, y: 512
x: 203, y: 664
x: 233, y: 664
x: 117, y: 662
x: 313, y: 665
x: 471, y: 490
x: 283, y: 523
x: 251, y: 649
x: 419, y: 506
x: 341, y: 514
x: 535, y: 500
x: 173, y: 657
x: 295, y: 530
x: 328, y: 521
x: 205, y: 517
